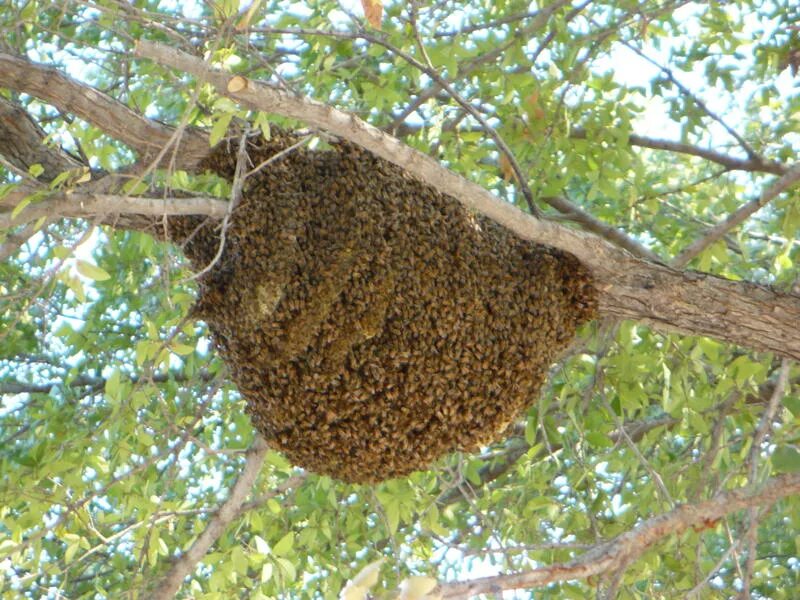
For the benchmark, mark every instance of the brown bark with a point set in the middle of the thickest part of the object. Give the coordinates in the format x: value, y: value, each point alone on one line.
x: 21, y: 143
x: 688, y: 302
x: 697, y: 303
x: 146, y: 137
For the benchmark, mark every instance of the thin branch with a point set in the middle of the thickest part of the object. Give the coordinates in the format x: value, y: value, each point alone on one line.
x: 525, y: 33
x: 97, y: 383
x: 786, y: 181
x: 591, y: 223
x: 751, y: 153
x: 623, y: 435
x: 172, y: 581
x: 763, y: 429
x: 635, y: 431
x: 731, y: 163
x: 610, y: 555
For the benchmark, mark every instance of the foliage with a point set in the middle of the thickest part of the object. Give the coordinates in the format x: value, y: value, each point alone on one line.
x: 120, y: 436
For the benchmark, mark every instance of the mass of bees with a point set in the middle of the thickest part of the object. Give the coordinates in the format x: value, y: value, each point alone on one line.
x: 371, y: 323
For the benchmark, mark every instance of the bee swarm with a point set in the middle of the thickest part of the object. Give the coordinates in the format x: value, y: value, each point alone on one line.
x: 372, y: 323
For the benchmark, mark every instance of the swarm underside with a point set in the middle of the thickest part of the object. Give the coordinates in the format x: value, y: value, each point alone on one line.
x: 372, y: 323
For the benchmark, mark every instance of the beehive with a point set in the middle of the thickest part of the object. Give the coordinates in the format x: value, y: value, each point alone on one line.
x: 371, y: 323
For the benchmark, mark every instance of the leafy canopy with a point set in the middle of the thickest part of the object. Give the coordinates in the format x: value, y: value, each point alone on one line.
x: 121, y: 436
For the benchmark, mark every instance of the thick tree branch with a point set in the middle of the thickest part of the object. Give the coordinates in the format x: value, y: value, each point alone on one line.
x: 610, y: 555
x: 694, y: 303
x: 266, y: 98
x: 108, y: 206
x: 146, y: 137
x: 172, y: 581
x: 21, y: 143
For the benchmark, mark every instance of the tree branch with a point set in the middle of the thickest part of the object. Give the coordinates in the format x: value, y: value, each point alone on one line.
x: 634, y: 430
x: 66, y: 204
x: 738, y: 312
x: 609, y: 555
x: 591, y: 223
x: 22, y: 143
x: 172, y: 581
x: 97, y: 383
x: 786, y: 181
x: 753, y: 165
x: 146, y: 137
x: 693, y: 303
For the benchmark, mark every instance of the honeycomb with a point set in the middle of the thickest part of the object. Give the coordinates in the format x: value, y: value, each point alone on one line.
x: 371, y: 323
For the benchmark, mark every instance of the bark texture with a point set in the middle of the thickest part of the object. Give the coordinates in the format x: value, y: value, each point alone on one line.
x: 646, y: 291
x: 696, y: 303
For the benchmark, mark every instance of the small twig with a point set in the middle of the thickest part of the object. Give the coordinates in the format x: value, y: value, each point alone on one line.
x: 654, y: 475
x: 763, y: 429
x: 236, y: 195
x: 786, y: 181
x: 696, y: 590
x: 275, y: 157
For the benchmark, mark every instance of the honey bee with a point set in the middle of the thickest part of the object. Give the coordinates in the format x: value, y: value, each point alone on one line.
x: 371, y: 323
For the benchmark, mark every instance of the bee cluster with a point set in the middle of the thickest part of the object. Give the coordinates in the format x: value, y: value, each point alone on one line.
x: 372, y: 323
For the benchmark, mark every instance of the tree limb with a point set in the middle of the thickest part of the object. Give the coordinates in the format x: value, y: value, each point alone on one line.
x: 172, y: 581
x: 21, y: 143
x: 66, y: 204
x: 694, y: 303
x: 145, y: 136
x: 609, y: 555
x: 786, y: 181
x: 731, y: 163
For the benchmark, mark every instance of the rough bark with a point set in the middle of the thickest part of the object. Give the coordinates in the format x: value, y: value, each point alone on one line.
x: 21, y: 143
x: 146, y: 137
x: 684, y: 301
x: 697, y: 303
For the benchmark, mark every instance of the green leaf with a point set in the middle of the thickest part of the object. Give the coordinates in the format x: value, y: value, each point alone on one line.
x: 599, y: 440
x: 287, y: 568
x: 220, y: 128
x: 21, y: 206
x: 792, y: 403
x: 181, y: 349
x: 91, y: 271
x: 786, y: 459
x: 239, y: 560
x: 392, y: 511
x: 284, y: 545
x: 112, y: 385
